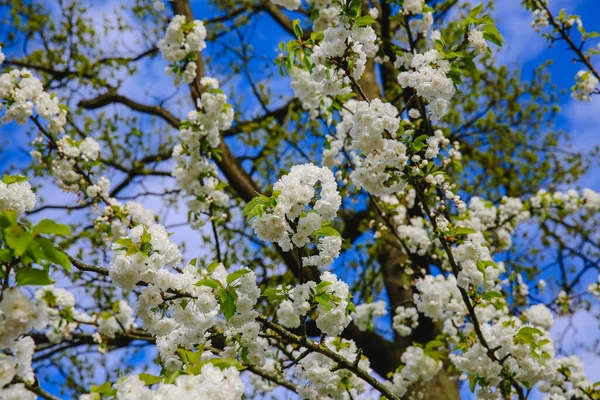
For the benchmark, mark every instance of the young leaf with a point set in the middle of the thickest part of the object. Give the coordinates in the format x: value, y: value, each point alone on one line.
x: 365, y: 20
x: 8, y: 179
x: 463, y: 230
x: 52, y: 254
x: 236, y: 275
x: 33, y: 277
x: 149, y: 379
x: 208, y: 282
x: 228, y: 302
x: 50, y: 227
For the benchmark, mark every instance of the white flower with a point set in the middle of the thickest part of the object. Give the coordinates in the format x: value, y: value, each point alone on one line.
x: 365, y: 313
x: 16, y: 197
x: 540, y: 315
x: 288, y: 4
x: 477, y: 40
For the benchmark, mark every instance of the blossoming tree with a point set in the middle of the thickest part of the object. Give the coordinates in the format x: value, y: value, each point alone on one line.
x: 361, y: 235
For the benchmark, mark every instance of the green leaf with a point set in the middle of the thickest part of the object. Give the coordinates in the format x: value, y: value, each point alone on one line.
x: 145, y: 237
x: 52, y: 254
x: 298, y: 29
x: 18, y: 240
x: 323, y: 299
x: 491, y: 33
x: 255, y: 207
x: 322, y: 285
x: 472, y: 382
x: 171, y: 378
x: 491, y: 295
x: 104, y: 389
x: 212, y: 266
x: 236, y: 275
x: 50, y: 227
x: 149, y: 379
x: 419, y: 142
x: 33, y: 277
x: 6, y: 255
x: 224, y: 363
x: 365, y: 20
x: 270, y: 292
x: 8, y: 179
x: 228, y: 302
x: 124, y: 241
x: 463, y: 230
x: 455, y: 75
x: 209, y: 282
x: 476, y: 11
x: 327, y: 230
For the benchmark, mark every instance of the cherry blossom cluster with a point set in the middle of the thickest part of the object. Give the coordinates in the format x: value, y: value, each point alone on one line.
x: 373, y: 129
x: 200, y: 136
x: 16, y: 196
x: 585, y: 85
x: 478, y: 41
x: 405, y: 320
x: 211, y: 383
x: 20, y: 92
x: 288, y: 4
x: 17, y: 364
x: 429, y: 79
x: 365, y: 313
x: 186, y: 321
x: 340, y: 57
x: 182, y: 41
x: 319, y: 379
x: 417, y: 366
x: 350, y: 45
x: 290, y: 222
x: 332, y: 298
x: 117, y: 218
x: 71, y: 163
x: 142, y: 255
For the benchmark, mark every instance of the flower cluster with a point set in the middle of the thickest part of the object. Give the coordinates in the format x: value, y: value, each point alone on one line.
x: 430, y: 81
x: 477, y: 267
x: 405, y: 320
x: 365, y: 313
x: 320, y: 379
x: 179, y: 46
x: 585, y: 85
x: 342, y: 54
x: 287, y: 221
x: 200, y: 136
x: 478, y: 41
x: 439, y: 298
x: 116, y: 218
x: 413, y: 6
x: 288, y: 4
x: 528, y: 352
x: 59, y: 307
x: 417, y: 366
x: 343, y: 44
x: 211, y: 383
x: 373, y: 129
x: 18, y: 315
x: 16, y: 196
x: 142, y: 256
x: 331, y: 296
x: 17, y: 364
x: 20, y: 91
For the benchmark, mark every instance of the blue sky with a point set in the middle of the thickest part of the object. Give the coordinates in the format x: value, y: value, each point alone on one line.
x: 524, y: 49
